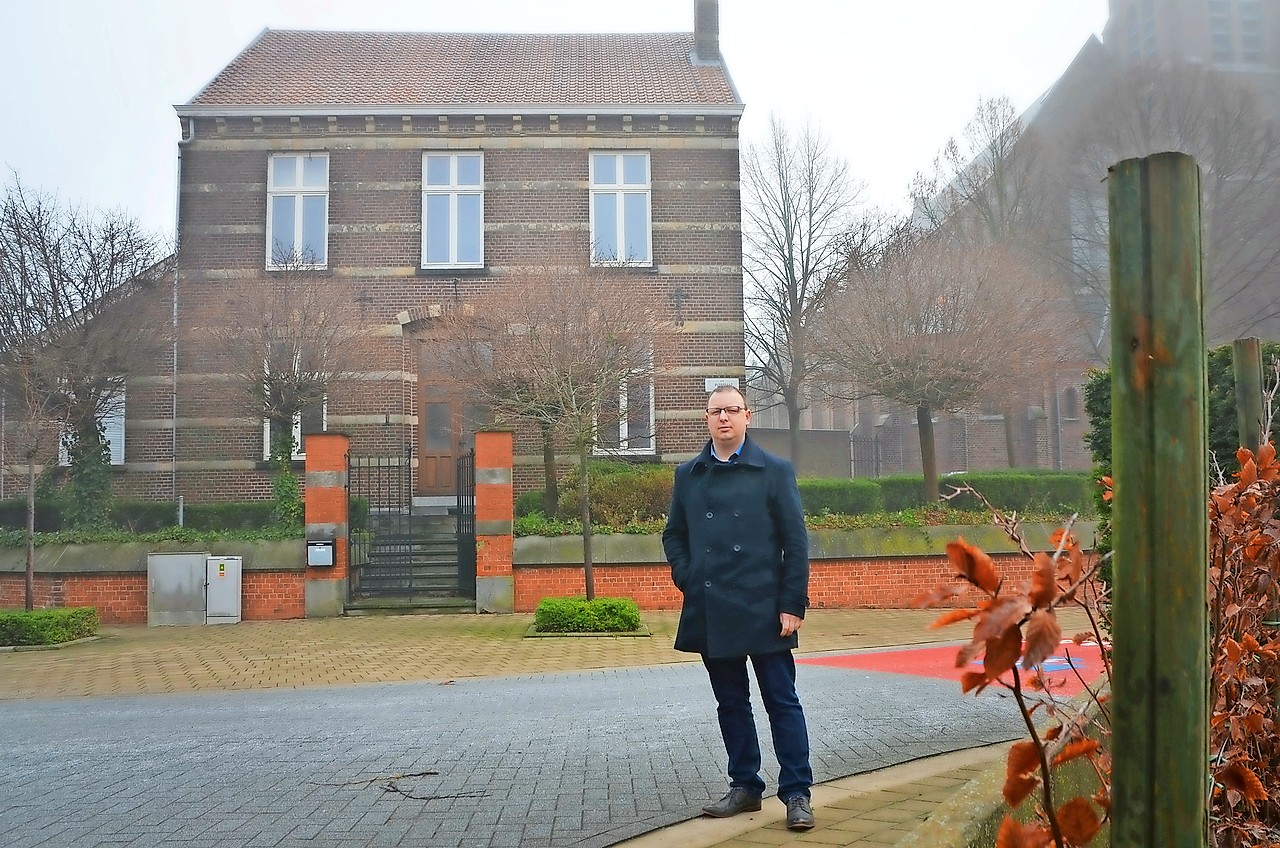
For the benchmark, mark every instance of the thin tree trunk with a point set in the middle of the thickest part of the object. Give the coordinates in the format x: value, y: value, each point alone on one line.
x: 584, y: 492
x: 928, y: 453
x: 550, y: 483
x: 30, y: 602
x: 1010, y: 435
x: 792, y: 402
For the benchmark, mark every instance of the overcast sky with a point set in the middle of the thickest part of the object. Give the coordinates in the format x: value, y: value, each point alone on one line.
x: 89, y: 86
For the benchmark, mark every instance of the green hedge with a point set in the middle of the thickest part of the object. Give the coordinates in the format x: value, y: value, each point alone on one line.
x: 846, y: 497
x: 47, y: 626
x: 230, y: 515
x: 144, y: 516
x: 578, y: 615
x: 13, y: 515
x: 1018, y: 488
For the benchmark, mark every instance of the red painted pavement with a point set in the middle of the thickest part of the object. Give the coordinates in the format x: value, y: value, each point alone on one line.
x: 940, y: 661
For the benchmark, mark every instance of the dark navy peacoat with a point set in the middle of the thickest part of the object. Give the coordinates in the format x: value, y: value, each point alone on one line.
x: 739, y: 552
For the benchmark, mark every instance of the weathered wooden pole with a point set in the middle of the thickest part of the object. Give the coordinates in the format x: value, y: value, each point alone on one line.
x: 1160, y: 667
x: 1246, y: 362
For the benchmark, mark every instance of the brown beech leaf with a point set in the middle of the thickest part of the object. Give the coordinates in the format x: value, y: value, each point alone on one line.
x: 953, y: 616
x: 1053, y: 733
x: 1044, y: 581
x: 976, y: 680
x: 1002, y: 614
x: 973, y: 565
x: 1241, y: 779
x: 1043, y: 637
x: 1267, y: 468
x: 1078, y: 821
x: 1017, y: 787
x: 1075, y: 750
x: 1002, y: 652
x: 1014, y: 834
x: 937, y: 595
x: 1250, y: 644
x: 1248, y: 472
x: 1024, y: 758
x: 1254, y: 723
x: 965, y: 655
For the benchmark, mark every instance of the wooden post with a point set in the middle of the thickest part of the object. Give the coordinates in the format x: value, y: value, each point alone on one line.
x: 1160, y: 627
x: 1246, y: 362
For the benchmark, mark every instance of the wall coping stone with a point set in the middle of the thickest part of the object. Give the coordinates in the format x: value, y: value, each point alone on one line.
x: 131, y: 557
x: 859, y: 543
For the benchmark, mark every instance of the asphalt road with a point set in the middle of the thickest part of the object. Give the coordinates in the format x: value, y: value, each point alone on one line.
x: 564, y: 759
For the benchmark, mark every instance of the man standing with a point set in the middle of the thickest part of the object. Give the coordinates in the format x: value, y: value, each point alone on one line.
x: 739, y: 553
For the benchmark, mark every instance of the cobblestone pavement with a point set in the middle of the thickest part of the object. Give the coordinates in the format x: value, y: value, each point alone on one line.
x: 532, y: 754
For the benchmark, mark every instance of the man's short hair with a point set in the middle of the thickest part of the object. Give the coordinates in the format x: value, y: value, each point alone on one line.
x: 727, y: 387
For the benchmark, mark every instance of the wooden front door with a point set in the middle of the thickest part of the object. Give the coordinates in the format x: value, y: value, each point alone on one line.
x: 447, y: 429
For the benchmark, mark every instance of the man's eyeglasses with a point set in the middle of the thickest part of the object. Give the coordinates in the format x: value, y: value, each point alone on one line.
x: 714, y: 411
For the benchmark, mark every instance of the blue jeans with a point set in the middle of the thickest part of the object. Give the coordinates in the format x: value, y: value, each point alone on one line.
x: 776, y: 675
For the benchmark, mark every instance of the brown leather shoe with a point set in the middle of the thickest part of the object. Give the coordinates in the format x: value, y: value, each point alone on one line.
x: 738, y: 800
x: 799, y: 813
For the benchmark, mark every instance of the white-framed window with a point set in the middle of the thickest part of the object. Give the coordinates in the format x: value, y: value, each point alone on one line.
x: 312, y: 419
x: 452, y: 210
x: 111, y: 419
x: 620, y: 204
x: 298, y: 210
x: 626, y: 420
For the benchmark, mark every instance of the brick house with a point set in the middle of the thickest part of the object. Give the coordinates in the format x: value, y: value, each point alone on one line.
x: 419, y: 167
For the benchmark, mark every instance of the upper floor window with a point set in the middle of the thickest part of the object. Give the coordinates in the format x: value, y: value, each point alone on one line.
x: 620, y: 202
x: 452, y: 210
x: 298, y: 210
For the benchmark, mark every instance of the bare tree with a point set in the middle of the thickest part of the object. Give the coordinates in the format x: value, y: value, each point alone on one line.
x: 1217, y: 118
x: 798, y: 200
x: 987, y: 186
x: 565, y: 349
x: 289, y: 337
x: 70, y: 332
x: 934, y: 326
x: 995, y: 186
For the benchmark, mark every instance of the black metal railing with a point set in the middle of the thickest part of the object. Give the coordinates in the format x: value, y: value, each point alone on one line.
x: 466, y: 526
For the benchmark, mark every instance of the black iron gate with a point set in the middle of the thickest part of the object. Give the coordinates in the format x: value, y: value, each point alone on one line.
x: 396, y: 554
x: 866, y: 455
x: 466, y: 514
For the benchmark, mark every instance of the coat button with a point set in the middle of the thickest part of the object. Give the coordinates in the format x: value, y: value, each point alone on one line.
x: 708, y: 584
x: 710, y: 515
x: 737, y: 548
x: 736, y: 514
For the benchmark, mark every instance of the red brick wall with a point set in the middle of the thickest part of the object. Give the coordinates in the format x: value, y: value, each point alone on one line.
x: 891, y: 583
x: 122, y: 598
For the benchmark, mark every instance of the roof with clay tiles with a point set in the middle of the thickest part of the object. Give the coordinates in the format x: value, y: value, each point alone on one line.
x: 318, y: 69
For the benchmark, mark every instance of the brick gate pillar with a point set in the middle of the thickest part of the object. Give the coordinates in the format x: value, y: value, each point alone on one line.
x: 495, y: 511
x: 325, y: 505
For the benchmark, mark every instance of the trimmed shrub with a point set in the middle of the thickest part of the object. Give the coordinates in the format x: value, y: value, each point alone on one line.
x: 848, y: 497
x: 47, y: 626
x: 231, y: 515
x: 578, y: 615
x: 13, y: 515
x: 620, y: 493
x: 143, y: 516
x: 1025, y: 489
x: 1016, y: 488
x: 529, y: 503
x: 902, y: 491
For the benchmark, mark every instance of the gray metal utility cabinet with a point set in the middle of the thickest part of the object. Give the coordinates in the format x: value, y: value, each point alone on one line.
x: 193, y: 588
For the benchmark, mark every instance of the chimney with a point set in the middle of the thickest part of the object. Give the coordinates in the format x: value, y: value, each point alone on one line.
x: 706, y: 31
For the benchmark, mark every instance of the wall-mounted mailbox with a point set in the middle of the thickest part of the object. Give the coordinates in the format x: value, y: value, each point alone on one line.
x: 320, y: 552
